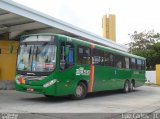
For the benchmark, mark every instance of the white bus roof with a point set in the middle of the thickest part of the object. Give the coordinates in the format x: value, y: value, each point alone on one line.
x: 16, y: 19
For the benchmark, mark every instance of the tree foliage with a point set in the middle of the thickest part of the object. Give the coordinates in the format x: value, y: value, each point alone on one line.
x: 146, y: 44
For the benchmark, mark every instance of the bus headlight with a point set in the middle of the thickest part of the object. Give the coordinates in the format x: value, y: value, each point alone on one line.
x: 17, y: 82
x: 17, y: 79
x: 49, y: 83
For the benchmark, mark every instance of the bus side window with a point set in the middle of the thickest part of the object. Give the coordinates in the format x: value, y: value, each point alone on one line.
x: 143, y: 65
x: 106, y: 59
x: 83, y: 55
x: 118, y: 61
x: 111, y: 59
x: 98, y: 57
x: 133, y: 63
x: 126, y: 62
x: 62, y: 57
x: 139, y: 64
x: 66, y: 60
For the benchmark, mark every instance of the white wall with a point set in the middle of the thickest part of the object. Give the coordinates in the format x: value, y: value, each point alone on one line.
x: 151, y: 76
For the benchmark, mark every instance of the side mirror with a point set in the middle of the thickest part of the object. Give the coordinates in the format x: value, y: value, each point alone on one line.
x: 66, y: 51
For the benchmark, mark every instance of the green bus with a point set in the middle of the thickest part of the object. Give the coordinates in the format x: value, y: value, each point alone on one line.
x: 59, y: 65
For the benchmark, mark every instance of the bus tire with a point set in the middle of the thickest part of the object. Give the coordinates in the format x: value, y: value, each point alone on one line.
x: 48, y: 96
x: 80, y: 92
x: 126, y: 87
x: 131, y: 85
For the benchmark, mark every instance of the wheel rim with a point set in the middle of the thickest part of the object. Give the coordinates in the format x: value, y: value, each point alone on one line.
x: 126, y: 87
x: 131, y: 86
x: 79, y: 91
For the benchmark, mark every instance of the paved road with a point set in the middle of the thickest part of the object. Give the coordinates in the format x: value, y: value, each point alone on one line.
x: 145, y: 99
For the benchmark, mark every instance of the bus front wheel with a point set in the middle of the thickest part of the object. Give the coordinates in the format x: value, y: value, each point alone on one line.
x: 80, y: 92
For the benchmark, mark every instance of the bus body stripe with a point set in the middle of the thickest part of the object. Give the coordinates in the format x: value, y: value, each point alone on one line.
x: 91, y: 81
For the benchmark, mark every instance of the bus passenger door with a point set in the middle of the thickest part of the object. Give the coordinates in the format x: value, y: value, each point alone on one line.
x: 66, y: 68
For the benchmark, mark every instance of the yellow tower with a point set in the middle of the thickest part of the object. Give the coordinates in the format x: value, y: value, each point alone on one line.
x: 109, y: 27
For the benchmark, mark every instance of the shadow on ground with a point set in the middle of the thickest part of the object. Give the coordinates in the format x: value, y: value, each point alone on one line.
x: 61, y: 99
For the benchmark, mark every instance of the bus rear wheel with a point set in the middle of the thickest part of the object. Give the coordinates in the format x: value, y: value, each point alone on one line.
x: 126, y: 87
x: 131, y: 86
x: 80, y: 92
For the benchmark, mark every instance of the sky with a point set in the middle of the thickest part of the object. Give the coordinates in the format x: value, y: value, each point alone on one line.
x: 131, y: 15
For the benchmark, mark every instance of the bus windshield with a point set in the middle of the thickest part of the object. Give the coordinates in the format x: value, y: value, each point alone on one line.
x: 37, y: 57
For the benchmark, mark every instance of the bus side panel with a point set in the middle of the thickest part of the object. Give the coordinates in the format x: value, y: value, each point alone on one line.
x: 103, y: 78
x: 139, y: 77
x: 66, y: 82
x: 109, y: 78
x: 121, y: 76
x: 69, y: 78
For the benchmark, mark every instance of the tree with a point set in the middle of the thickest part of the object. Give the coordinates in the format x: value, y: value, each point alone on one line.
x: 146, y: 44
x: 143, y: 40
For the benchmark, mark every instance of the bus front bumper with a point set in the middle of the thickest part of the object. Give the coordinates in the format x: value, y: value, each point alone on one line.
x: 51, y: 90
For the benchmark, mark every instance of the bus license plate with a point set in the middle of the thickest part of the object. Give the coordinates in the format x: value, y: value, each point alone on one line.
x: 30, y: 89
